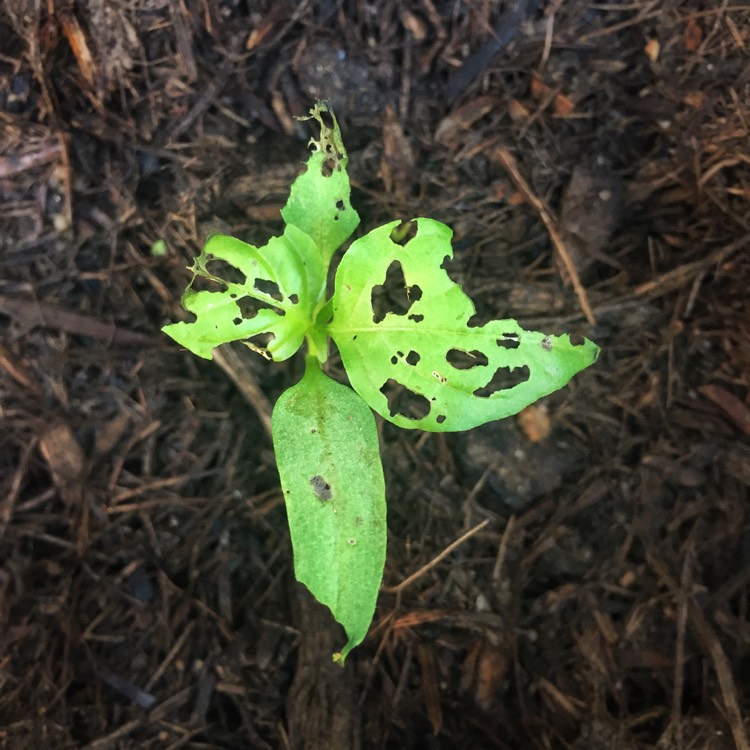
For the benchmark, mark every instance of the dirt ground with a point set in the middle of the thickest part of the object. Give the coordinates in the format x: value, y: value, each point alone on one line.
x: 594, y: 162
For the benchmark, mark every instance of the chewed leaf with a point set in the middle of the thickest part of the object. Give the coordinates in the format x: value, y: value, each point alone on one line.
x: 319, y: 202
x: 269, y: 292
x: 422, y: 365
x: 327, y: 453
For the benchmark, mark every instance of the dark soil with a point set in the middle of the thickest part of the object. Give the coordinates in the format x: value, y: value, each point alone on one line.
x: 594, y: 162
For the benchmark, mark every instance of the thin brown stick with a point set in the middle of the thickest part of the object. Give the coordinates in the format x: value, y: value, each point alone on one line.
x: 236, y: 368
x: 398, y: 588
x: 32, y: 313
x: 679, y: 657
x: 706, y: 635
x: 509, y: 163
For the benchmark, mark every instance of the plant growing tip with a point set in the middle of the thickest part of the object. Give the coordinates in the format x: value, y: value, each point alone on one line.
x: 422, y: 366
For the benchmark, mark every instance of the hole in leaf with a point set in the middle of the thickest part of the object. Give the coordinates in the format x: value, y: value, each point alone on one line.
x: 393, y: 296
x: 294, y: 299
x: 412, y: 358
x: 237, y: 321
x: 416, y: 318
x: 509, y: 341
x: 327, y: 121
x: 403, y: 401
x: 202, y: 284
x: 405, y: 231
x: 225, y: 271
x: 271, y: 288
x: 328, y: 167
x: 503, y: 379
x: 576, y: 339
x: 340, y: 205
x: 463, y: 360
x: 440, y: 418
x: 321, y: 488
x: 249, y: 307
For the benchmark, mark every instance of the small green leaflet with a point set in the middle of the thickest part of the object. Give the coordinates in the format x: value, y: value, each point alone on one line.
x: 319, y: 200
x: 287, y: 276
x: 328, y: 457
x: 428, y: 356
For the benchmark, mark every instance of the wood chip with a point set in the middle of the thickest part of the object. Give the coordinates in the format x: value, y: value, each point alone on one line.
x: 63, y: 454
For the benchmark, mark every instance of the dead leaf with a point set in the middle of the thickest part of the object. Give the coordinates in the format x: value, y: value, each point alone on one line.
x: 733, y: 407
x: 652, y: 49
x: 460, y: 120
x: 517, y: 110
x: 563, y: 105
x: 535, y: 422
x: 693, y: 36
x: 397, y: 164
x: 63, y: 455
x: 539, y: 89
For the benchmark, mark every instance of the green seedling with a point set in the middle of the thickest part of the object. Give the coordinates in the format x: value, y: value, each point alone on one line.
x: 421, y: 366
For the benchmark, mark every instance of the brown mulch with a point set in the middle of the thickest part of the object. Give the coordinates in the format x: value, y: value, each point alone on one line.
x: 578, y: 577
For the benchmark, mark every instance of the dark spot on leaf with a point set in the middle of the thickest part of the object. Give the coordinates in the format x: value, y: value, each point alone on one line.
x: 440, y: 418
x: 393, y: 295
x: 394, y: 360
x: 547, y: 344
x: 321, y: 488
x: 237, y: 321
x: 403, y: 401
x: 576, y: 339
x: 503, y: 379
x: 412, y: 358
x: 509, y: 341
x: 405, y: 231
x: 294, y: 299
x: 358, y: 521
x: 463, y: 360
x: 271, y: 288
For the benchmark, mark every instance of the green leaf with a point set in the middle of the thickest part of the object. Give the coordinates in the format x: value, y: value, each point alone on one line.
x: 319, y: 199
x: 424, y: 366
x: 326, y: 446
x: 284, y: 282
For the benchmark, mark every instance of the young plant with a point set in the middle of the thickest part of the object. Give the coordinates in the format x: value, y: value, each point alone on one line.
x: 424, y: 366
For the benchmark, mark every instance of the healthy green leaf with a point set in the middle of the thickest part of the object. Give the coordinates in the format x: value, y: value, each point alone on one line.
x: 326, y: 446
x: 284, y: 282
x: 425, y: 366
x: 319, y: 200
